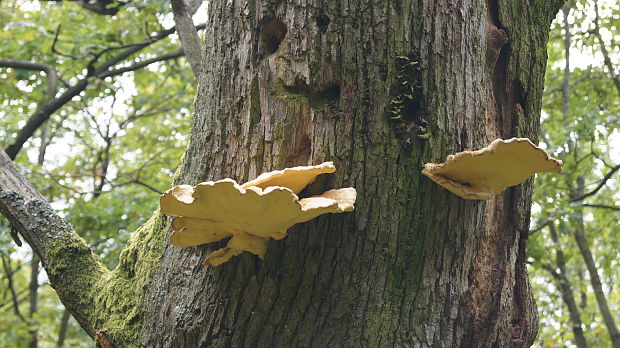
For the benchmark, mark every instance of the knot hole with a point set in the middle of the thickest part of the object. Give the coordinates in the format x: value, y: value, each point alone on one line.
x: 272, y: 32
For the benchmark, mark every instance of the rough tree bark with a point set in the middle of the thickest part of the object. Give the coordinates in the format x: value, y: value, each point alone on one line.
x: 380, y: 88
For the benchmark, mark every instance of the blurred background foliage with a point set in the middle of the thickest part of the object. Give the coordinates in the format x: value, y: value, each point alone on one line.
x: 104, y: 156
x: 574, y: 245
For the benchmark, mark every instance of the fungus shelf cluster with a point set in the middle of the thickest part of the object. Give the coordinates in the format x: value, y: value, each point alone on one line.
x: 263, y: 208
x: 268, y: 206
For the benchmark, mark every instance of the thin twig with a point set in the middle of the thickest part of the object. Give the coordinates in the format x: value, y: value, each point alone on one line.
x: 9, y: 276
x: 600, y: 185
x: 603, y: 206
x: 142, y: 64
x: 54, y: 50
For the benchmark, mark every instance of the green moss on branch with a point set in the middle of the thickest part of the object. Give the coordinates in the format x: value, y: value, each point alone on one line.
x: 118, y: 296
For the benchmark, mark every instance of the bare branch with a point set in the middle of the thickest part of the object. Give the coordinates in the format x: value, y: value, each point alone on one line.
x: 21, y: 297
x: 142, y: 64
x: 9, y: 276
x: 34, y: 303
x: 606, y: 58
x: 603, y: 206
x: 62, y: 332
x: 534, y: 230
x: 190, y: 41
x: 101, y: 7
x: 567, y: 41
x: 138, y: 182
x: 64, y: 255
x: 600, y: 185
x: 579, y: 232
x: 565, y: 286
x: 56, y: 51
x: 52, y: 76
x: 48, y: 108
x: 193, y: 5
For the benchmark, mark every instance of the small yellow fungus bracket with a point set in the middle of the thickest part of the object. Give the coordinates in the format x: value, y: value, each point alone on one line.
x: 489, y: 171
x: 263, y: 208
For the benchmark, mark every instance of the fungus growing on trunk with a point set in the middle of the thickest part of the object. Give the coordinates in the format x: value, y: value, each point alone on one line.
x: 488, y: 172
x: 263, y: 208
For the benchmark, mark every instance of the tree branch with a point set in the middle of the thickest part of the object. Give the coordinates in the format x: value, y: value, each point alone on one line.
x: 603, y: 206
x: 50, y: 71
x: 595, y: 280
x: 565, y: 287
x: 606, y: 59
x: 188, y: 35
x: 138, y: 182
x: 600, y: 185
x: 62, y: 332
x: 101, y: 7
x: 34, y: 300
x: 142, y: 64
x: 73, y: 269
x: 21, y: 296
x: 543, y: 225
x: 48, y: 108
x: 56, y: 51
x: 9, y: 276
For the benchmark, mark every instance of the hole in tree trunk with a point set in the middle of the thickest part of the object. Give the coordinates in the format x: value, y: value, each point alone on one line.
x: 317, y: 96
x: 272, y: 32
x: 322, y: 21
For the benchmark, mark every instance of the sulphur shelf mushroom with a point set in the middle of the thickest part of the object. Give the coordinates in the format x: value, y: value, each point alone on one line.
x: 488, y: 172
x: 263, y: 208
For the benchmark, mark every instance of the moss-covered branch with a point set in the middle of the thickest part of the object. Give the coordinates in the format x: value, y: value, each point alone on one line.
x: 100, y: 300
x: 73, y: 269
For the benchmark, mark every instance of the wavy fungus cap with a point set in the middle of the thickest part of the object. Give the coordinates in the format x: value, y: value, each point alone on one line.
x: 250, y: 213
x: 489, y: 171
x: 295, y: 178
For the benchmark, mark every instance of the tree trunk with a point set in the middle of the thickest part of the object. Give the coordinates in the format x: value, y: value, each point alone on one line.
x: 566, y: 289
x: 62, y: 331
x: 595, y: 280
x: 301, y: 82
x: 34, y: 301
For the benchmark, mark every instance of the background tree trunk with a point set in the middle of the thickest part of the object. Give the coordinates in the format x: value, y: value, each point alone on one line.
x: 595, y: 280
x: 301, y: 82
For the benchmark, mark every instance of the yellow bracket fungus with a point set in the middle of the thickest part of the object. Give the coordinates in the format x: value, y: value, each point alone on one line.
x: 488, y: 172
x: 263, y: 208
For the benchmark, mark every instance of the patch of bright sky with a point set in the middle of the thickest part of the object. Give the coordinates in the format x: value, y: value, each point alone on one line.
x: 583, y: 58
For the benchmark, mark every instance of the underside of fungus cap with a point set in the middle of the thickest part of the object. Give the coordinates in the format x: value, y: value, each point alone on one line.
x: 487, y: 172
x: 295, y: 178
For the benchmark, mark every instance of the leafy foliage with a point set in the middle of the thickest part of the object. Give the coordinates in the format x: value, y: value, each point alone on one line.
x: 580, y: 126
